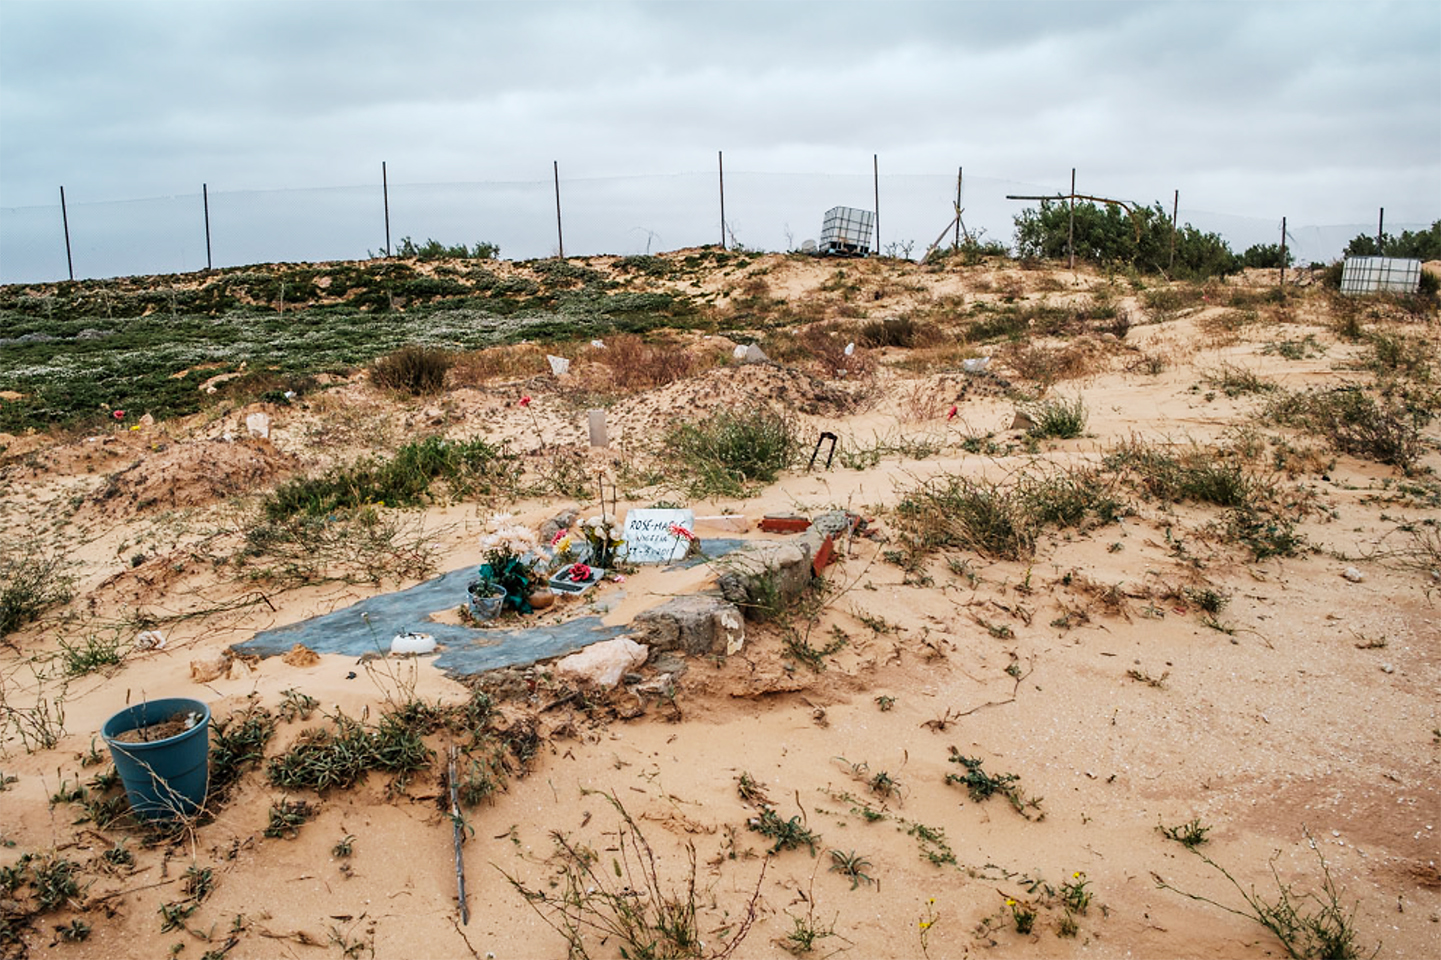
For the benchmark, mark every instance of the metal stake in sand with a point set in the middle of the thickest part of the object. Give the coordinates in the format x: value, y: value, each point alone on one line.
x: 458, y: 837
x: 825, y: 435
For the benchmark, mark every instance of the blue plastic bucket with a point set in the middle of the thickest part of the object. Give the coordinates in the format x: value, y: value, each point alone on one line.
x: 164, y: 779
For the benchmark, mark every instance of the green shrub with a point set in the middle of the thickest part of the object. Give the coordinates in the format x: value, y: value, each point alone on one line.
x: 897, y: 332
x: 1110, y: 235
x: 1058, y: 419
x: 724, y: 453
x: 1421, y: 245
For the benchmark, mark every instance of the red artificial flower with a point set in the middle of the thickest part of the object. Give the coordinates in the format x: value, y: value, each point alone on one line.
x: 952, y: 414
x: 579, y: 572
x: 525, y: 401
x: 676, y: 530
x: 559, y: 535
x: 118, y: 414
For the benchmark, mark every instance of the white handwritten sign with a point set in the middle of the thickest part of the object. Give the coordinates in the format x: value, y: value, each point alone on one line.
x: 649, y: 538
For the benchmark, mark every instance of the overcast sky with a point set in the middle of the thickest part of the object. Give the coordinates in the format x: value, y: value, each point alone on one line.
x: 1319, y: 112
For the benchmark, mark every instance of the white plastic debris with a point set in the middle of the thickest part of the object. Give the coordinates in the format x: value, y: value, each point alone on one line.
x: 149, y: 640
x: 598, y: 344
x: 412, y: 643
x: 739, y: 352
x: 1352, y: 574
x: 976, y: 364
x: 558, y: 365
x: 850, y: 349
x: 258, y: 425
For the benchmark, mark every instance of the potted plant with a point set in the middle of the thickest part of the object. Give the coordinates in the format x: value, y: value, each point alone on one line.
x: 485, y: 598
x: 509, y: 567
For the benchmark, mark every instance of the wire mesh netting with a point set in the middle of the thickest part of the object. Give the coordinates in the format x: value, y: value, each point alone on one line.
x: 600, y: 215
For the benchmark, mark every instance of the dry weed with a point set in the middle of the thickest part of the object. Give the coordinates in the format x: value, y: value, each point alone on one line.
x: 513, y: 362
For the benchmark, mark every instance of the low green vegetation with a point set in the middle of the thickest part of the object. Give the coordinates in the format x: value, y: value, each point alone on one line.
x: 31, y: 581
x: 1001, y: 521
x: 78, y: 350
x: 725, y: 453
x: 466, y: 467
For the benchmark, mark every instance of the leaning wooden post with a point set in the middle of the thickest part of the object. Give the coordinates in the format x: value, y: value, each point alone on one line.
x: 65, y: 221
x: 559, y: 237
x: 960, y: 172
x: 876, y: 173
x: 721, y: 165
x: 1283, y: 251
x: 385, y: 198
x: 1071, y: 228
x: 205, y: 199
x: 1175, y: 209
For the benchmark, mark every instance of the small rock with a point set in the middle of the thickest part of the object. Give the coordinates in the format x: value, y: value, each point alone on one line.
x: 1352, y: 574
x: 1387, y: 668
x: 1023, y: 421
x: 204, y: 671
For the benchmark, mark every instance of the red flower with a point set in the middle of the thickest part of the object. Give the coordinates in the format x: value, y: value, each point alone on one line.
x: 559, y: 535
x: 579, y: 572
x: 525, y: 401
x: 680, y: 532
x: 118, y: 414
x: 952, y: 414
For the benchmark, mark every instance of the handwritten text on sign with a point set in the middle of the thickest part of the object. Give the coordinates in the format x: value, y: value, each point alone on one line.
x: 648, y: 536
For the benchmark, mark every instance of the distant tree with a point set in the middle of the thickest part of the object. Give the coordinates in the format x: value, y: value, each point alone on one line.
x: 1422, y: 245
x: 1111, y: 235
x: 1265, y: 255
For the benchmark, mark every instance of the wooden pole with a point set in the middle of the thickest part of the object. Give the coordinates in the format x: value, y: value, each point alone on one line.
x: 876, y: 174
x: 1380, y: 232
x: 1283, y: 251
x: 205, y: 198
x: 385, y: 195
x: 559, y: 237
x: 960, y: 172
x: 1071, y: 229
x: 1175, y: 209
x: 721, y: 165
x: 65, y: 220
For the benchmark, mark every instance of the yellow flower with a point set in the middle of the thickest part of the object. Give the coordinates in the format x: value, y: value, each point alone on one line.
x: 1076, y: 875
x: 1010, y: 902
x: 931, y: 900
x: 925, y: 924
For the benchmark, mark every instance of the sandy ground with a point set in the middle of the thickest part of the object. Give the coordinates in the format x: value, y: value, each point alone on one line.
x: 1309, y: 727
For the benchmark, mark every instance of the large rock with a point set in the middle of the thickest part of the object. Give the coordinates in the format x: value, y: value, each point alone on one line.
x: 697, y: 625
x: 603, y: 663
x: 770, y: 572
